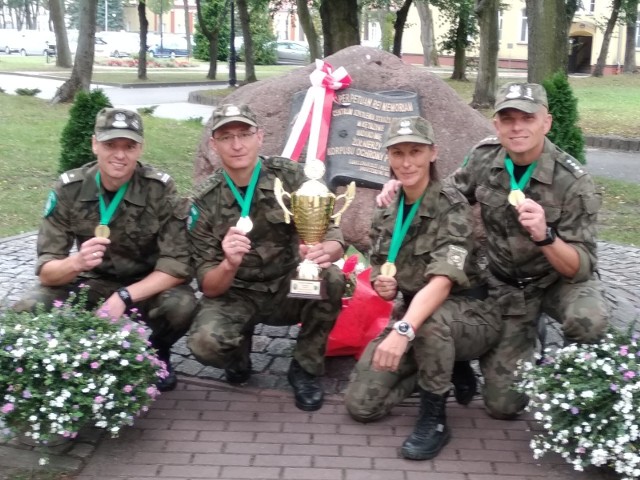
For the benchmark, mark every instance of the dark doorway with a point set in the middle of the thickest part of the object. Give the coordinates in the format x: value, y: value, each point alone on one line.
x: 580, y: 56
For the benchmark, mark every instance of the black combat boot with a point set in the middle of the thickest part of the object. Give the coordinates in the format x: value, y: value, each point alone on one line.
x: 238, y: 368
x: 431, y: 433
x: 464, y: 382
x: 169, y: 382
x: 306, y: 387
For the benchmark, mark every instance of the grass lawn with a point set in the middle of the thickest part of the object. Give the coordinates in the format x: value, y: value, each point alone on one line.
x: 606, y: 106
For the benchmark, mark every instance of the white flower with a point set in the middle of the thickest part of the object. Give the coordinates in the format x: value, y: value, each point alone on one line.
x: 53, y: 343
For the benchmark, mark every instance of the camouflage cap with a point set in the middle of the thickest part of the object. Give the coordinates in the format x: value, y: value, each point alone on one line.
x: 118, y: 123
x: 528, y: 97
x: 233, y: 113
x: 409, y: 129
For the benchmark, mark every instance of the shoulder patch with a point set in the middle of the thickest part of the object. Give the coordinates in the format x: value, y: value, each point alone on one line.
x: 282, y: 163
x: 492, y: 140
x: 209, y: 184
x: 154, y: 174
x: 192, y: 219
x: 453, y: 194
x: 571, y: 164
x: 50, y: 205
x: 71, y: 177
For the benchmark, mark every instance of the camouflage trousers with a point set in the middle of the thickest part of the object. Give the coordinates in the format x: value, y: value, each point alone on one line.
x: 579, y: 307
x: 462, y: 328
x: 223, y: 323
x: 168, y: 314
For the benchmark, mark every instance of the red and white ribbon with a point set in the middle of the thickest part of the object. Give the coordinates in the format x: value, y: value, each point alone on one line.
x: 314, y: 117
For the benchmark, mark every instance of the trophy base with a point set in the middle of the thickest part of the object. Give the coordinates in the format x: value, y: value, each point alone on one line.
x: 308, y: 289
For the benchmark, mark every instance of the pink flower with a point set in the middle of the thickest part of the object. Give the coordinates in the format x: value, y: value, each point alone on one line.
x: 66, y: 376
x: 99, y: 399
x: 103, y: 313
x: 7, y: 407
x: 26, y: 394
x: 84, y: 355
x: 127, y: 388
x: 57, y: 303
x: 139, y: 358
x: 19, y: 370
x: 624, y: 350
x: 94, y: 365
x: 629, y: 374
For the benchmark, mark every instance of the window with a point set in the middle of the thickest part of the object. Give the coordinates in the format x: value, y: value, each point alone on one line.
x: 524, y: 27
x: 638, y: 34
x: 500, y: 17
x: 587, y: 7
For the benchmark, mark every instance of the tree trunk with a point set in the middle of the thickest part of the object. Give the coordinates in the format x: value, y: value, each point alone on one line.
x: 460, y: 55
x: 63, y: 54
x: 606, y: 39
x: 340, y: 24
x: 398, y: 27
x: 212, y: 35
x: 187, y: 25
x: 306, y: 22
x: 630, y: 46
x: 213, y: 55
x: 83, y: 66
x: 249, y: 65
x: 427, y: 34
x: 548, y: 50
x: 142, y: 51
x: 484, y: 95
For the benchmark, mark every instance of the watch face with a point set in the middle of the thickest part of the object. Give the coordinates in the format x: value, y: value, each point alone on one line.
x: 403, y: 327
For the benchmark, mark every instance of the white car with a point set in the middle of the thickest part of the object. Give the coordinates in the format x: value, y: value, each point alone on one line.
x: 33, y: 42
x: 120, y: 44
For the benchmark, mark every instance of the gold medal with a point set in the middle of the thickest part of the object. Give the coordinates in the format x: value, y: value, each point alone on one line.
x: 516, y: 197
x: 388, y: 269
x: 245, y: 224
x: 102, y: 231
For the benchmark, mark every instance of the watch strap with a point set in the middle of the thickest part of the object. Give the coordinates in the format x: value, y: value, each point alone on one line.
x: 549, y: 239
x: 125, y: 296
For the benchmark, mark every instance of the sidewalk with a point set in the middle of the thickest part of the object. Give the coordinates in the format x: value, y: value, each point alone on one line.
x: 208, y: 429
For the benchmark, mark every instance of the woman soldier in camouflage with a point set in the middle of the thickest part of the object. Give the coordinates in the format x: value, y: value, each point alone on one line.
x: 421, y: 256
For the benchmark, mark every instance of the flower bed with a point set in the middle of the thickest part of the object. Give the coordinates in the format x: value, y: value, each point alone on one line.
x: 587, y: 398
x: 64, y: 369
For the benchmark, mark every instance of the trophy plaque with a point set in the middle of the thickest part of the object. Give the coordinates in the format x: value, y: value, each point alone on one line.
x: 312, y: 210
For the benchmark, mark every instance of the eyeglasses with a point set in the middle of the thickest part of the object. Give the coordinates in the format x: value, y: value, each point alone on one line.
x: 244, y: 137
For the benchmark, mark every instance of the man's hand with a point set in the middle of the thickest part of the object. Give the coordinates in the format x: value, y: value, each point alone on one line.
x: 386, y: 287
x: 235, y: 245
x: 389, y: 190
x: 531, y: 217
x: 315, y: 253
x: 389, y: 353
x: 113, y: 307
x: 90, y: 254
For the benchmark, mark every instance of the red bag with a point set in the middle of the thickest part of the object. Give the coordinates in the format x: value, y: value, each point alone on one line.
x: 362, y: 318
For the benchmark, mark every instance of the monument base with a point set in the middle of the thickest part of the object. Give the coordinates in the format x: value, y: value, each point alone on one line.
x: 309, y: 289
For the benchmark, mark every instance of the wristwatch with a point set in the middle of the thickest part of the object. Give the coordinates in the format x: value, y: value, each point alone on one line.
x: 125, y: 296
x: 404, y: 328
x: 549, y: 239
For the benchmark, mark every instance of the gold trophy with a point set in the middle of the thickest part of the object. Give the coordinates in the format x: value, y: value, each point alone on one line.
x: 312, y: 206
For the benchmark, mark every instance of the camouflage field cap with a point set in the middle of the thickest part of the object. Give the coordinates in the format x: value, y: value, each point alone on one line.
x: 118, y: 123
x: 528, y: 97
x: 233, y: 113
x: 409, y: 129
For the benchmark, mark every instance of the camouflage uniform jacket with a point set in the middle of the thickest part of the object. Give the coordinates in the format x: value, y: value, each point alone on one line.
x: 274, y: 244
x: 438, y: 242
x: 559, y: 184
x: 146, y: 231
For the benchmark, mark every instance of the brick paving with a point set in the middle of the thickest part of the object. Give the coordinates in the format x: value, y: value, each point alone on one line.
x: 208, y: 429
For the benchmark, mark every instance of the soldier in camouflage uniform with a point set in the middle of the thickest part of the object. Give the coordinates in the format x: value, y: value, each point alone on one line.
x: 245, y: 256
x: 439, y: 317
x: 541, y: 241
x: 144, y: 262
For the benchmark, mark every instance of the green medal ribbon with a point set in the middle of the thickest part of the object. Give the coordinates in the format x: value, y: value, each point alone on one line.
x: 245, y: 202
x: 401, y: 227
x: 107, y: 212
x: 524, y: 180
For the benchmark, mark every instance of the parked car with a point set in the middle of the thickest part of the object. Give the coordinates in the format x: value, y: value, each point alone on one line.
x: 169, y: 47
x: 121, y: 44
x: 9, y: 40
x: 289, y: 52
x: 99, y: 49
x: 33, y: 42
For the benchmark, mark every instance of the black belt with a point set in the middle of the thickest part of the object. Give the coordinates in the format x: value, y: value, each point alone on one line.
x: 521, y: 282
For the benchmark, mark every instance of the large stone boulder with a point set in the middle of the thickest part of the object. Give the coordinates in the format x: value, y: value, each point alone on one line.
x: 457, y: 126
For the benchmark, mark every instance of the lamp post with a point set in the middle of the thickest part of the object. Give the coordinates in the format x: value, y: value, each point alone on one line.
x: 232, y: 51
x: 106, y: 15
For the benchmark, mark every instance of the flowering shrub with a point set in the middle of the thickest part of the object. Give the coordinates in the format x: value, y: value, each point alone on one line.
x: 351, y: 269
x: 587, y: 398
x: 70, y: 367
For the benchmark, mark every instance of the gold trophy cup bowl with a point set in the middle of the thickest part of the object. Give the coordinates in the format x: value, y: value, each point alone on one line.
x: 312, y: 211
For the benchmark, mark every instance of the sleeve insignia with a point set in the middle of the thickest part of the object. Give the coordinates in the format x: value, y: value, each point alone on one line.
x: 192, y: 219
x: 50, y: 206
x: 456, y: 256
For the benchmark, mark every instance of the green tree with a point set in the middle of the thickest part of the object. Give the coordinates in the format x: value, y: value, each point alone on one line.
x: 460, y: 16
x: 563, y: 107
x: 114, y: 9
x: 75, y: 140
x: 212, y: 32
x: 160, y: 6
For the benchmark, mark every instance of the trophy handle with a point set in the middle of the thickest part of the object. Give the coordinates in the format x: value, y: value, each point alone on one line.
x: 279, y: 192
x: 348, y: 196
